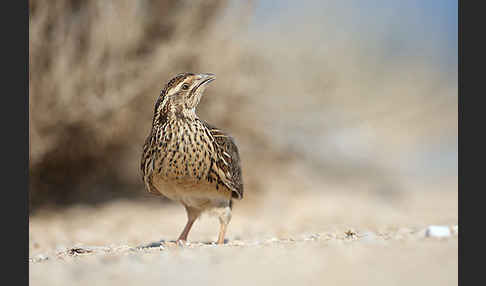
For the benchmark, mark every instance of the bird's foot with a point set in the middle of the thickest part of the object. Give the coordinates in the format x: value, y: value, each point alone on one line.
x: 182, y: 242
x: 221, y: 241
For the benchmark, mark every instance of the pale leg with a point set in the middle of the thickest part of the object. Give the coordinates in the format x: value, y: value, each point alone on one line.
x: 224, y: 220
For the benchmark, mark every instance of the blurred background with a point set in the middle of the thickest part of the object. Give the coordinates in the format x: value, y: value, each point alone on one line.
x: 344, y: 91
x: 326, y: 91
x: 345, y: 114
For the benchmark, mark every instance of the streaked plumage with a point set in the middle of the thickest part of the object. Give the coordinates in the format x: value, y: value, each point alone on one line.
x: 188, y: 160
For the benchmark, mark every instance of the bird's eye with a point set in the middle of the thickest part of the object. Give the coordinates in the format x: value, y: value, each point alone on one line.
x: 185, y: 86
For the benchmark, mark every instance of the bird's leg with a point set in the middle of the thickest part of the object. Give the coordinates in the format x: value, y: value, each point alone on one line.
x: 224, y: 220
x: 192, y: 215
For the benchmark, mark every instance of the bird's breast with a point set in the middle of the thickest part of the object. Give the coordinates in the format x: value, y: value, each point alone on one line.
x: 184, y: 153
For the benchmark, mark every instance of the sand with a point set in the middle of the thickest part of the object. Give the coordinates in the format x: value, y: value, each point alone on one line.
x: 308, y: 238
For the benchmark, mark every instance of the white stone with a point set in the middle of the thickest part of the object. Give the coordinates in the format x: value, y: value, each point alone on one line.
x: 369, y: 237
x: 438, y: 231
x: 41, y: 257
x: 455, y: 229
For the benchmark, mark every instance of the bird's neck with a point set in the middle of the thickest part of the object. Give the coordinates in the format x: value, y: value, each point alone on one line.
x: 182, y: 114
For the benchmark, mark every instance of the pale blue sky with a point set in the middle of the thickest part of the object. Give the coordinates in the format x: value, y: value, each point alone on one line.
x: 424, y: 29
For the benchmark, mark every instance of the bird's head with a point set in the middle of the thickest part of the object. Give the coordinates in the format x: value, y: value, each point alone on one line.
x: 182, y: 93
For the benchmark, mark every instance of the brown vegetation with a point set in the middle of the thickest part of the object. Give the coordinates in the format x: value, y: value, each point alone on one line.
x: 95, y: 71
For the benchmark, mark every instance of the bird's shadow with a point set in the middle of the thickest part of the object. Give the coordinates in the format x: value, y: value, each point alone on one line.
x: 166, y: 243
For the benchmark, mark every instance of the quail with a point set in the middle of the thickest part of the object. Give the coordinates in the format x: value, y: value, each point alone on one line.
x: 188, y: 160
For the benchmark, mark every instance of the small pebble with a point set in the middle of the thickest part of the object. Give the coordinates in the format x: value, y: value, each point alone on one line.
x: 455, y: 229
x: 369, y: 237
x: 314, y: 236
x: 438, y: 231
x: 38, y: 258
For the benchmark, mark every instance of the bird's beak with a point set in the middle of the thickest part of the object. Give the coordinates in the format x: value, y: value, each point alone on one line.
x: 204, y: 79
x: 207, y: 77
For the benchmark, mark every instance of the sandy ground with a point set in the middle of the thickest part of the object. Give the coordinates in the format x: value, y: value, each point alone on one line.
x: 315, y: 237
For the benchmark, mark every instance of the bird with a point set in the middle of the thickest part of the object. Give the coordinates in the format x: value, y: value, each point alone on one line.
x: 188, y: 160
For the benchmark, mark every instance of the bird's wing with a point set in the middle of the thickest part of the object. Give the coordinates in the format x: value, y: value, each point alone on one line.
x: 147, y: 167
x: 227, y: 163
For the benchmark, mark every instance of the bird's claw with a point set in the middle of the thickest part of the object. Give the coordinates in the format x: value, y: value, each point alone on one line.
x: 181, y: 243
